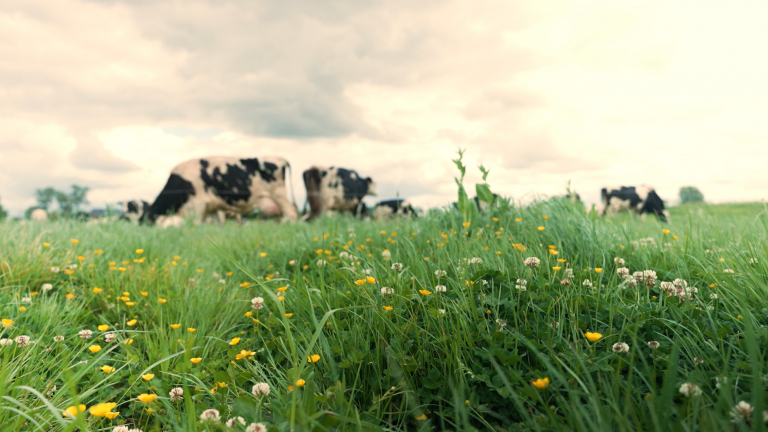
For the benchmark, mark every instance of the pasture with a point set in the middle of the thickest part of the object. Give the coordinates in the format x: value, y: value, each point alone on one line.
x: 419, y: 324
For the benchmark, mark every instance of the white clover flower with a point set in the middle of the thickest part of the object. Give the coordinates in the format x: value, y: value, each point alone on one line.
x: 619, y: 261
x: 292, y: 262
x: 708, y: 251
x: 521, y: 282
x: 135, y: 430
x: 698, y: 360
x: 257, y: 303
x: 211, y: 415
x: 387, y: 291
x: 58, y: 338
x: 620, y: 347
x: 521, y: 287
x: 565, y: 282
x: 532, y: 262
x: 47, y: 287
x: 386, y: 254
x: 713, y: 296
x: 727, y: 271
x: 72, y: 266
x: 344, y: 255
x: 55, y: 269
x: 554, y: 324
x: 440, y: 288
x: 223, y: 281
x: 623, y: 272
x: 321, y: 262
x: 121, y: 429
x: 110, y: 337
x: 367, y: 271
x: 741, y: 411
x: 654, y: 344
x: 176, y: 394
x: 26, y: 300
x: 501, y: 323
x: 22, y: 341
x: 753, y: 260
x: 396, y: 266
x: 256, y: 427
x: 231, y: 422
x: 442, y: 311
x: 6, y: 342
x: 260, y: 389
x: 569, y: 273
x: 476, y: 260
x: 587, y: 283
x: 690, y: 390
x: 85, y: 334
x: 440, y: 273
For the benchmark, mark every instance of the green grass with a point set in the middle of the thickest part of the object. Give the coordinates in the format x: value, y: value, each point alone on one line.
x: 457, y: 360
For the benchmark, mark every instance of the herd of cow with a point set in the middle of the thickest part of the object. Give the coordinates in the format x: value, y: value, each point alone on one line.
x: 225, y: 187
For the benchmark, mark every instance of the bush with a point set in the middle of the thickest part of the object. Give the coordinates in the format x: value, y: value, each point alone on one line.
x: 690, y: 194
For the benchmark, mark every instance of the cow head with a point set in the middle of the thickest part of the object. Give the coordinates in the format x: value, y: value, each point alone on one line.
x: 371, y: 187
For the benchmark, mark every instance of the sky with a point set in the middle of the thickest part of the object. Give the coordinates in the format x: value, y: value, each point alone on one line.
x: 112, y: 94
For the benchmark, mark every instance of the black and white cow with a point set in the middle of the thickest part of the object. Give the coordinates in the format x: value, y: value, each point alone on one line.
x: 337, y: 189
x: 224, y: 185
x: 135, y: 210
x: 393, y: 208
x: 637, y: 199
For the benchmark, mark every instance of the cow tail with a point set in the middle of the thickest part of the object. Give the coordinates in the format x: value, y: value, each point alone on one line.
x: 290, y: 179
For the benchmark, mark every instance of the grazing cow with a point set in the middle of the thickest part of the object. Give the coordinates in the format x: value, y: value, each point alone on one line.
x: 135, y: 210
x: 337, y: 189
x: 639, y: 200
x: 393, y: 208
x: 38, y: 215
x: 220, y: 185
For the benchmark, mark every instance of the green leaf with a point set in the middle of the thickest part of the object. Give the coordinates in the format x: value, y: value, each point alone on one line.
x: 484, y: 193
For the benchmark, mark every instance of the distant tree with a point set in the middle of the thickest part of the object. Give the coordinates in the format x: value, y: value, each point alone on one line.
x: 69, y: 203
x: 3, y: 213
x: 45, y: 197
x: 690, y: 194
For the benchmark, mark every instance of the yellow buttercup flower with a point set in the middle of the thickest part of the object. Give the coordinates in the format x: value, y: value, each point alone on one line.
x: 46, y: 244
x: 139, y: 251
x: 387, y: 308
x: 234, y: 341
x: 665, y: 231
x: 69, y: 296
x: 541, y: 228
x: 425, y: 292
x: 101, y: 410
x: 282, y: 289
x: 196, y: 360
x: 146, y: 398
x: 144, y: 293
x: 107, y: 369
x: 111, y: 415
x: 263, y: 254
x: 128, y: 342
x: 73, y: 411
x: 162, y: 300
x: 466, y: 224
x: 7, y: 322
x: 97, y: 290
x: 147, y: 377
x: 540, y: 383
x: 313, y: 358
x: 94, y: 348
x: 421, y: 417
x: 288, y: 315
x: 556, y: 268
x: 131, y: 322
x: 191, y: 330
x: 360, y: 282
x: 593, y: 337
x: 75, y: 241
x: 103, y: 327
x: 370, y: 279
x: 175, y: 326
x: 300, y: 383
x: 598, y: 270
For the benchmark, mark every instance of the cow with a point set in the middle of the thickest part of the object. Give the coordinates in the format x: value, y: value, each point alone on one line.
x: 38, y: 215
x: 639, y: 200
x: 481, y: 205
x: 393, y: 208
x: 219, y: 185
x: 336, y: 189
x: 135, y: 210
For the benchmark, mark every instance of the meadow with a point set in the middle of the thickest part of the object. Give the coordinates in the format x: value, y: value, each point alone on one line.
x: 432, y: 323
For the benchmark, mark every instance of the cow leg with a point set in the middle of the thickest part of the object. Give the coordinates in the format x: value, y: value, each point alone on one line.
x: 290, y: 214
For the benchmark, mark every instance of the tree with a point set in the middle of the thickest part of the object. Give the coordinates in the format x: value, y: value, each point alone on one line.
x: 690, y: 194
x: 3, y: 213
x: 69, y: 203
x: 45, y: 197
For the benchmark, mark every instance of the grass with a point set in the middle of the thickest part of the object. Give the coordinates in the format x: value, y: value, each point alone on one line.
x: 463, y: 359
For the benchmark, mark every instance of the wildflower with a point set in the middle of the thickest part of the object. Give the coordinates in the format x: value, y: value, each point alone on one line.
x: 260, y: 389
x: 727, y: 271
x: 103, y: 327
x: 440, y: 273
x: 442, y: 311
x: 619, y: 261
x: 623, y: 272
x: 741, y: 411
x: 256, y: 427
x: 147, y: 377
x: 47, y: 287
x: 425, y: 292
x: 58, y: 338
x: 532, y: 262
x: 74, y: 410
x: 620, y: 347
x: 541, y: 228
x: 131, y: 322
x: 177, y: 394
x: 94, y: 348
x: 388, y: 308
x: 7, y: 322
x: 476, y: 260
x: 128, y: 342
x: 554, y: 324
x: 386, y: 291
x: 69, y: 296
x: 107, y: 369
x: 210, y: 415
x: 385, y: 254
x: 556, y: 268
x: 175, y: 326
x: 5, y: 342
x: 598, y: 270
x: 654, y: 344
x: 257, y: 303
x: 713, y: 296
x: 300, y: 383
x: 665, y: 231
x: 753, y: 260
x: 146, y: 398
x: 109, y: 337
x: 196, y: 360
x: 234, y: 341
x: 440, y: 288
x: 593, y: 337
x: 100, y: 410
x: 370, y: 280
x: 320, y: 263
x: 360, y: 282
x: 314, y: 358
x: 541, y: 383
x: 565, y: 282
x: 690, y: 390
x: 396, y: 266
x: 649, y: 276
x: 75, y: 241
x: 22, y: 341
x: 231, y: 422
x: 501, y: 323
x: 587, y: 283
x: 698, y: 360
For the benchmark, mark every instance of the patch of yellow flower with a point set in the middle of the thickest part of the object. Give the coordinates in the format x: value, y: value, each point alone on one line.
x: 146, y: 398
x: 540, y: 383
x: 593, y: 337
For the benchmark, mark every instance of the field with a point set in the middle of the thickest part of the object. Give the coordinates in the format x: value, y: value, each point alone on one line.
x: 423, y: 324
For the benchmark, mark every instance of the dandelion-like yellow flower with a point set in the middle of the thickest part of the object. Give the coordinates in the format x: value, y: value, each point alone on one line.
x: 360, y: 282
x: 191, y: 330
x: 111, y: 415
x: 7, y: 322
x: 495, y: 219
x: 69, y: 272
x: 146, y: 398
x: 313, y: 358
x: 282, y: 289
x: 94, y: 348
x: 665, y: 231
x: 425, y: 292
x: 144, y: 293
x: 300, y: 383
x: 139, y: 251
x: 107, y: 369
x: 147, y: 377
x: 80, y: 258
x: 73, y: 411
x: 46, y: 244
x: 263, y: 254
x: 518, y: 219
x: 103, y: 327
x: 101, y: 410
x: 556, y: 268
x: 288, y: 315
x: 387, y: 308
x: 97, y: 290
x: 175, y: 326
x: 130, y: 303
x: 75, y: 241
x: 540, y: 383
x: 553, y: 252
x: 69, y: 296
x: 370, y: 279
x: 466, y: 224
x: 234, y: 341
x: 541, y: 228
x: 162, y: 300
x: 421, y: 417
x: 560, y: 260
x: 128, y: 342
x: 598, y: 270
x: 196, y: 360
x: 131, y: 322
x: 593, y: 337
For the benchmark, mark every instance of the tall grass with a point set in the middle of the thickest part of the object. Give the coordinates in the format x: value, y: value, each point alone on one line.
x: 458, y: 360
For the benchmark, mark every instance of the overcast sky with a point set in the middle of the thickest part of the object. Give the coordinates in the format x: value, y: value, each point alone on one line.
x: 112, y: 94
